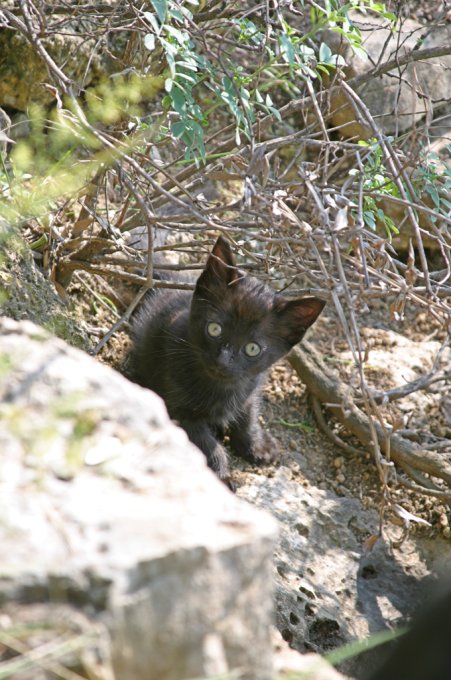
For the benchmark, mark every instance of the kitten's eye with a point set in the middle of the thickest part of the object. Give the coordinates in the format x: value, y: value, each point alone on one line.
x: 252, y: 349
x: 214, y: 329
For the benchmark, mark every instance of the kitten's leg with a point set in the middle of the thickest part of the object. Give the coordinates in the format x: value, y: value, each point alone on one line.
x: 249, y: 440
x: 202, y: 436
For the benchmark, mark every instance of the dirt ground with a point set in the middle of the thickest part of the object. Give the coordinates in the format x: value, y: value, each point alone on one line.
x: 318, y: 461
x: 313, y: 458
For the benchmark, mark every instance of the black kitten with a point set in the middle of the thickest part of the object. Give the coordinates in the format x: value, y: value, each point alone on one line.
x: 206, y: 354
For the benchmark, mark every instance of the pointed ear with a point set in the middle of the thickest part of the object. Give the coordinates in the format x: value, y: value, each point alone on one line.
x: 294, y: 316
x: 220, y: 268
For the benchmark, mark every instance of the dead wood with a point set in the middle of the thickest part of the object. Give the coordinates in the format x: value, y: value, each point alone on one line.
x: 329, y: 390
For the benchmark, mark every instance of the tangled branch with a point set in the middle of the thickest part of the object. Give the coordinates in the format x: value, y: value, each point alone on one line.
x: 307, y: 209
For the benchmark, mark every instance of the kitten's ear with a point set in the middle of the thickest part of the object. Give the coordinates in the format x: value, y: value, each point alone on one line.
x: 294, y: 316
x: 220, y: 268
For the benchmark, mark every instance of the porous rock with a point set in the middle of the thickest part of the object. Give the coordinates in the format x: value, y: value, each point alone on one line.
x: 25, y: 293
x: 106, y: 505
x: 23, y: 71
x: 329, y: 589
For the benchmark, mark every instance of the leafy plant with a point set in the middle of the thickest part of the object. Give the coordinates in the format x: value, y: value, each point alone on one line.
x: 434, y: 177
x: 190, y: 72
x: 376, y: 179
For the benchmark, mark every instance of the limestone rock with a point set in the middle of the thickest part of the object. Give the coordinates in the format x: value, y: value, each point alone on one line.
x: 107, y: 507
x: 402, y: 97
x: 329, y: 590
x: 23, y: 71
x: 26, y: 294
x: 306, y: 666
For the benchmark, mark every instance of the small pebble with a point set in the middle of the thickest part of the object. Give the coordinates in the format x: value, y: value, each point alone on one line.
x: 443, y: 520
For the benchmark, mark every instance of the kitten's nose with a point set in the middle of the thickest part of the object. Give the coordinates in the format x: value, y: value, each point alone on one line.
x: 225, y: 356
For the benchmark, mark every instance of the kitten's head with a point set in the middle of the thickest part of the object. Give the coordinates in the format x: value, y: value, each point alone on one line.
x: 241, y: 326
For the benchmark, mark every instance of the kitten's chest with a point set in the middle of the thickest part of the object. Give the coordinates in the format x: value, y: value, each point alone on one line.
x: 212, y: 402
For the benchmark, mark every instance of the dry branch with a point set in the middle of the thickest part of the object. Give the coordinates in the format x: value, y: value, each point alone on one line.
x: 301, y: 202
x: 329, y: 390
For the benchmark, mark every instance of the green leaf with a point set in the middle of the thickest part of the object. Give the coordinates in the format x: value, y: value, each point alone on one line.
x: 287, y: 49
x: 369, y: 220
x: 299, y: 425
x: 433, y: 193
x: 168, y: 47
x: 161, y: 8
x: 181, y: 13
x: 391, y: 225
x: 359, y: 51
x: 189, y: 65
x: 153, y: 22
x: 149, y: 42
x: 337, y: 60
x: 178, y: 100
x: 325, y: 53
x: 185, y: 76
x: 178, y: 129
x: 182, y: 37
x: 307, y: 51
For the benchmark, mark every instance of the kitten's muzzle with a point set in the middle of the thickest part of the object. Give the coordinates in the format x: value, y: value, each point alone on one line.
x: 224, y: 364
x: 225, y: 358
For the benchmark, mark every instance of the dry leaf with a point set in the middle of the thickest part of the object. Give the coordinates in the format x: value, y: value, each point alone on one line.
x: 370, y: 542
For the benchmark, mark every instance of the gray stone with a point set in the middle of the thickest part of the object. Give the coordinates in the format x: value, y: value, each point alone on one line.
x: 402, y: 97
x: 107, y: 506
x: 25, y: 293
x: 329, y: 589
x: 23, y: 71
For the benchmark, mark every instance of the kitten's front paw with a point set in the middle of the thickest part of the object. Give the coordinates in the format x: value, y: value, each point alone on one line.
x: 266, y: 449
x: 256, y: 445
x: 230, y: 484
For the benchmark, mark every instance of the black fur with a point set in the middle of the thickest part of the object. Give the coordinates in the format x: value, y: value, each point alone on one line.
x: 424, y: 652
x: 210, y: 384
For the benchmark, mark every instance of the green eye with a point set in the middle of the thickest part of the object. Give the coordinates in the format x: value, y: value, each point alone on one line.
x: 252, y: 349
x: 214, y: 329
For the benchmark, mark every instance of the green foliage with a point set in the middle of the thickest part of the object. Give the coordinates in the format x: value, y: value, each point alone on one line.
x: 335, y: 16
x: 62, y: 154
x: 434, y: 177
x: 298, y: 425
x: 194, y: 75
x: 357, y: 647
x: 376, y: 179
x: 192, y: 85
x: 195, y: 83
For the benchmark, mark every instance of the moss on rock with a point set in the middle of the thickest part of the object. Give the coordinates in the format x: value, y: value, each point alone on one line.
x: 26, y: 294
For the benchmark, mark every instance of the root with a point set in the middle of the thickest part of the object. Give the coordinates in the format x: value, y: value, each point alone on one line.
x: 328, y: 389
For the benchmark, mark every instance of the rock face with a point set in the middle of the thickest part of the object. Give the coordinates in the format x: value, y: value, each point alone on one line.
x: 106, y: 506
x: 403, y: 96
x: 23, y: 72
x: 329, y: 590
x: 26, y: 294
